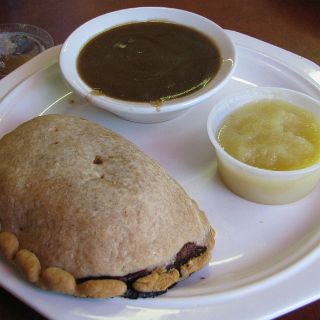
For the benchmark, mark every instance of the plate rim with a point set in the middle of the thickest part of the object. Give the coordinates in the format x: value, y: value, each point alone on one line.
x: 48, y: 58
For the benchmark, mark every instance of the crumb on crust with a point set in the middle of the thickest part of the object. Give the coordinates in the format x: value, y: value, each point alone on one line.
x: 98, y: 160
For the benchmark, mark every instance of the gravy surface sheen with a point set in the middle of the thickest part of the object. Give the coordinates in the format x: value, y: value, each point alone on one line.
x: 148, y: 61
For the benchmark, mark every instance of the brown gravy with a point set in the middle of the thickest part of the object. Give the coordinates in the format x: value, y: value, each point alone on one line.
x: 148, y: 61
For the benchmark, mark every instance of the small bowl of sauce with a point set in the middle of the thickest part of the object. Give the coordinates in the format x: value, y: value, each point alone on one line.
x: 267, y: 143
x: 147, y: 64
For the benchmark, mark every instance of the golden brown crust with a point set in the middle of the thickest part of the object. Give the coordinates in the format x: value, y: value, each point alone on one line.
x: 56, y: 279
x: 106, y: 288
x: 9, y: 245
x: 28, y: 264
x: 156, y: 281
x: 194, y: 264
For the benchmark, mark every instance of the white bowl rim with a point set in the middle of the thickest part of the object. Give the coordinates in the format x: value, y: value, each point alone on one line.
x: 249, y: 168
x: 117, y: 105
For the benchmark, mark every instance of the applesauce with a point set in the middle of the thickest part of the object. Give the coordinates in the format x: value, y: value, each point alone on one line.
x: 272, y: 134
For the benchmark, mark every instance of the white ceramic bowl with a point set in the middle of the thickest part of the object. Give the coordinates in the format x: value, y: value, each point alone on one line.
x: 261, y: 185
x: 145, y: 112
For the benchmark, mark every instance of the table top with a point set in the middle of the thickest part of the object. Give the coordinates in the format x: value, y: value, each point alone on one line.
x: 289, y: 24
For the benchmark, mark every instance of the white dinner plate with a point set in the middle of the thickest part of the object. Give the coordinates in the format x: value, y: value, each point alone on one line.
x: 267, y: 258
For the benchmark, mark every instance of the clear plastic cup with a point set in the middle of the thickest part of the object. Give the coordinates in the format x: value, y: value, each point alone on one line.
x: 19, y: 43
x: 255, y: 184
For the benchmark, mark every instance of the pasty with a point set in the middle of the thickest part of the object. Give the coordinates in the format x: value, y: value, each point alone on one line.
x: 84, y: 212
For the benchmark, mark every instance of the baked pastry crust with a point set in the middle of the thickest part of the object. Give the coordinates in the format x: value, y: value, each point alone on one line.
x: 81, y: 208
x: 56, y: 279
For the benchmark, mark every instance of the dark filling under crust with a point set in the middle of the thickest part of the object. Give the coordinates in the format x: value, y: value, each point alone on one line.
x: 188, y: 251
